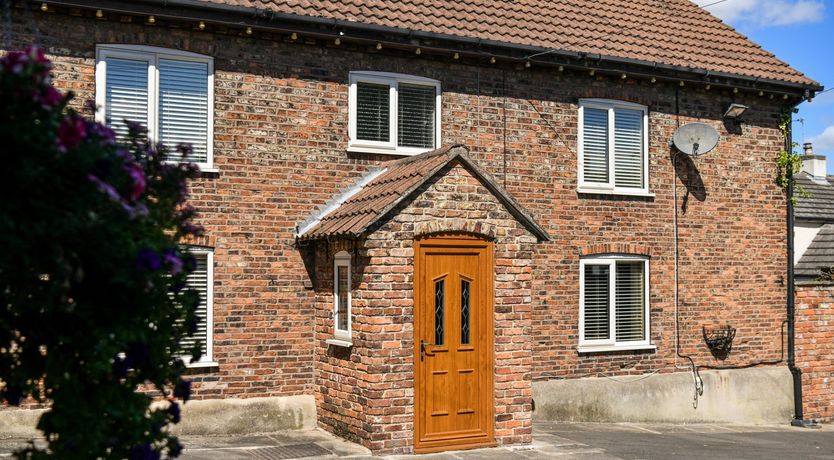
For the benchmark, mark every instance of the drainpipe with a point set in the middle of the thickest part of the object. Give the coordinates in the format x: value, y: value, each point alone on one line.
x: 798, y: 419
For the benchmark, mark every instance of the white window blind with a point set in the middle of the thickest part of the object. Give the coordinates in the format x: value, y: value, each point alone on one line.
x: 168, y: 91
x: 630, y: 302
x: 613, y: 147
x: 183, y: 107
x: 199, y: 281
x: 126, y: 94
x: 614, y: 306
x: 628, y: 148
x: 393, y: 113
x: 372, y: 112
x: 596, y: 145
x: 415, y: 115
x: 597, y: 302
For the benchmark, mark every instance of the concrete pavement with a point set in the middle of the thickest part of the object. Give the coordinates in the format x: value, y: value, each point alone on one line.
x: 570, y: 441
x: 575, y: 441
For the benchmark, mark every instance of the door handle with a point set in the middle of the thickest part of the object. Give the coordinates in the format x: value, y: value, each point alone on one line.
x: 423, y: 351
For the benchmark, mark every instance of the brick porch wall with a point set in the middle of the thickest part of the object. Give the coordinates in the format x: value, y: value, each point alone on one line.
x: 376, y: 377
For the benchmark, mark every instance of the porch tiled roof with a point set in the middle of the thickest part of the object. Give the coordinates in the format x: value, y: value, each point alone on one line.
x: 672, y: 32
x: 353, y: 212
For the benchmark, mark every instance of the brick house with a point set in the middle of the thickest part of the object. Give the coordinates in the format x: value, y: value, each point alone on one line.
x: 813, y: 252
x: 814, y: 217
x: 429, y: 223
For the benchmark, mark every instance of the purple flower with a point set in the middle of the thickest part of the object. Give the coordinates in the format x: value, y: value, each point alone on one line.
x: 36, y: 55
x: 147, y: 259
x: 173, y: 261
x: 174, y: 412
x: 71, y: 132
x: 124, y: 154
x: 50, y: 98
x: 137, y: 175
x: 134, y: 211
x: 14, y: 62
x: 182, y: 390
x: 105, y: 188
x: 106, y: 135
x: 188, y: 228
x: 136, y: 129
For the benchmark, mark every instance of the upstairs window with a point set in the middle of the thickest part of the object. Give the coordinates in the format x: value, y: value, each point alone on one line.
x: 170, y: 92
x: 201, y: 280
x: 614, y: 307
x: 393, y: 113
x: 613, y: 147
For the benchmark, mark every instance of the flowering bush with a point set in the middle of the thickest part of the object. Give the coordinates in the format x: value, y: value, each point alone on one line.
x: 92, y: 282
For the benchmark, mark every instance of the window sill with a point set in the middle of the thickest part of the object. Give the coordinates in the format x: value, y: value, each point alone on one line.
x: 339, y: 343
x: 383, y: 151
x: 203, y: 364
x: 610, y: 348
x: 608, y: 191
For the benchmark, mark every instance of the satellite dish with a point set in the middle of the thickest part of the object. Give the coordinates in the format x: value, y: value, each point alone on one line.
x: 695, y: 138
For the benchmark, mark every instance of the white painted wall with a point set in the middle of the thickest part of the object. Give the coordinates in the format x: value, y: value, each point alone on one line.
x: 803, y: 235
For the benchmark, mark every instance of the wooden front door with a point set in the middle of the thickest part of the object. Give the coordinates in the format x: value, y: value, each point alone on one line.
x: 453, y: 349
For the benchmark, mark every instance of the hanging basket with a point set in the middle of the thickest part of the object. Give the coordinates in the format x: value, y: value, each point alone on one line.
x: 719, y: 340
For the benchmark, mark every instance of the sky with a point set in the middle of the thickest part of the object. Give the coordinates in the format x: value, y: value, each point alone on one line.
x: 801, y: 33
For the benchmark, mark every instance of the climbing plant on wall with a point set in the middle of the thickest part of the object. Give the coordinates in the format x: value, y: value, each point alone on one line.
x: 788, y: 160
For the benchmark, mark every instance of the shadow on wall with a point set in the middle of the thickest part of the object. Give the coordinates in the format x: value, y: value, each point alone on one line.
x: 689, y: 175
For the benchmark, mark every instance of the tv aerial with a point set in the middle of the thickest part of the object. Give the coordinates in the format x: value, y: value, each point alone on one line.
x: 695, y: 138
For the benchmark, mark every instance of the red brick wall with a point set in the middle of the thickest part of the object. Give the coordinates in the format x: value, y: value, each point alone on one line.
x: 815, y: 348
x: 367, y: 393
x: 280, y: 138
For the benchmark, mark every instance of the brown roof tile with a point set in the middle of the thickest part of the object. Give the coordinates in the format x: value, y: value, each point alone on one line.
x: 354, y: 211
x: 672, y: 32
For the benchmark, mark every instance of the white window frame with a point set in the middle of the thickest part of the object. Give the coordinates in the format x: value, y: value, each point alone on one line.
x: 152, y: 55
x: 342, y: 337
x: 207, y: 360
x: 611, y: 344
x: 610, y: 187
x: 393, y: 80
